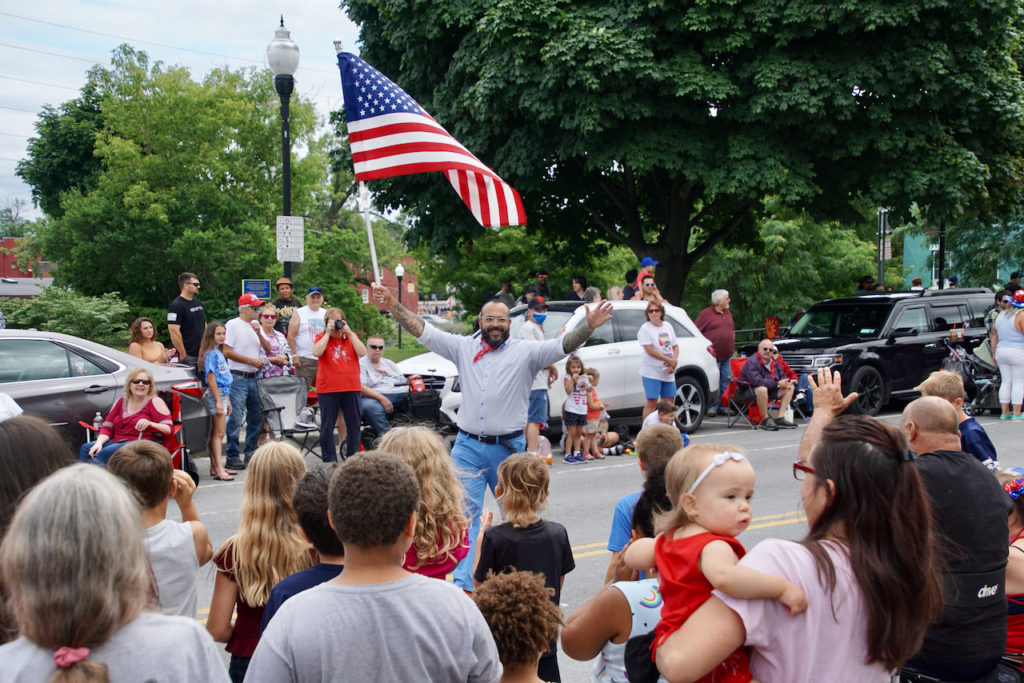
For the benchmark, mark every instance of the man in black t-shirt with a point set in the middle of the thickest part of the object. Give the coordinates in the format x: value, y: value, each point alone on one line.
x: 970, y: 512
x: 285, y: 304
x: 186, y: 319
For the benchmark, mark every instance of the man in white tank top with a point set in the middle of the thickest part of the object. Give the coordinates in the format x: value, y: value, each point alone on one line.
x: 306, y: 323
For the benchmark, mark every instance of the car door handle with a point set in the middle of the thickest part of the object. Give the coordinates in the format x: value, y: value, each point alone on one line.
x: 614, y: 352
x: 96, y: 389
x: 931, y: 346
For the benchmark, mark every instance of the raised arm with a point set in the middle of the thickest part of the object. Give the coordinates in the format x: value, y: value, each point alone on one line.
x: 595, y: 317
x: 413, y: 324
x: 829, y: 402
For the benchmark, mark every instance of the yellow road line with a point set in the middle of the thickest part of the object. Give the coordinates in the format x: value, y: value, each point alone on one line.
x: 778, y: 522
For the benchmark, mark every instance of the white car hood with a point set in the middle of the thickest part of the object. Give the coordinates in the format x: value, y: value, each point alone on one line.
x: 428, y: 364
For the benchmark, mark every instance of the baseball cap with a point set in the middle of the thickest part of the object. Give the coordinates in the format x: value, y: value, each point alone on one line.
x: 647, y: 261
x: 954, y: 279
x: 282, y: 281
x: 315, y: 290
x: 249, y: 299
x: 1014, y: 275
x: 538, y: 302
x: 542, y: 272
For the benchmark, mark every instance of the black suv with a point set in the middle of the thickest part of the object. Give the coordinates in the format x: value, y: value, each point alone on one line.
x: 884, y: 343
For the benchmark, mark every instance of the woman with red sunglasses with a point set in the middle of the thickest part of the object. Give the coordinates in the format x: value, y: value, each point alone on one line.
x: 867, y: 565
x: 277, y: 360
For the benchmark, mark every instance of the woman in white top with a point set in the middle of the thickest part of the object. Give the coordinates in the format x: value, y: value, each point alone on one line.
x: 661, y: 353
x: 1008, y: 352
x: 75, y: 565
x: 867, y: 565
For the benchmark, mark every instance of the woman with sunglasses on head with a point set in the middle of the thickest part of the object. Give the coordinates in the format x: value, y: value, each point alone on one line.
x: 138, y: 414
x: 278, y: 358
x: 867, y: 565
x: 661, y: 353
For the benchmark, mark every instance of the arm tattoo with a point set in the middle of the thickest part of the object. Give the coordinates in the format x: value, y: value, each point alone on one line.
x: 412, y: 323
x: 575, y: 338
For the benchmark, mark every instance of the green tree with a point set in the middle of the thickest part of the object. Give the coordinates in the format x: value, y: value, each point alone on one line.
x: 103, y: 319
x: 793, y: 262
x: 188, y: 180
x: 660, y: 125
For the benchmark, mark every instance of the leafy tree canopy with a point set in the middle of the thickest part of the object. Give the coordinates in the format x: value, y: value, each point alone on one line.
x: 188, y: 179
x: 660, y: 125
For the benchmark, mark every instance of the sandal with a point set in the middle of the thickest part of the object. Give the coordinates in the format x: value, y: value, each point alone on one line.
x: 597, y: 456
x: 223, y: 477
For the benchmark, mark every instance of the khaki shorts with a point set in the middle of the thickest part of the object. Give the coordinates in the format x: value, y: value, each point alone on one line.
x: 592, y: 427
x: 307, y: 371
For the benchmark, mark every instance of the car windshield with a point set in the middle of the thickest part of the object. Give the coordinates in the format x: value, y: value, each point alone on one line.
x: 841, y: 321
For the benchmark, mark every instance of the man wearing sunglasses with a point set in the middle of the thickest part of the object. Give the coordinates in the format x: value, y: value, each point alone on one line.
x: 765, y: 378
x: 186, y: 319
x: 384, y: 386
x: 495, y: 375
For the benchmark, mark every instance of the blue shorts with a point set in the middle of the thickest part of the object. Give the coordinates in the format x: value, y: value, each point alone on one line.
x: 655, y: 388
x: 211, y: 405
x: 538, y: 411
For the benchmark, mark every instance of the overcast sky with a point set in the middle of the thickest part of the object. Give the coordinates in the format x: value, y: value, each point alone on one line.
x: 47, y: 46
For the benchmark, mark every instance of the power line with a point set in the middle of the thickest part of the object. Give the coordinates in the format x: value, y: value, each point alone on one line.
x: 138, y: 40
x: 45, y: 52
x: 29, y: 111
x: 25, y: 80
x: 16, y: 135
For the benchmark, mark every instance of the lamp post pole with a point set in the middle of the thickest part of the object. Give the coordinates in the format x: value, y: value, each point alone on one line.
x: 399, y: 273
x: 283, y: 57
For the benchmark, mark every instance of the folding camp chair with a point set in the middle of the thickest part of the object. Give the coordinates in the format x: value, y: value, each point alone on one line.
x: 282, y: 400
x: 743, y: 404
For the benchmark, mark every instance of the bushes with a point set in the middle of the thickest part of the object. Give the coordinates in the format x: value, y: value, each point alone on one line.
x: 102, y: 319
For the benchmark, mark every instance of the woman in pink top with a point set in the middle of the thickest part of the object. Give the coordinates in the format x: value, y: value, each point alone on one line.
x: 867, y: 565
x: 139, y: 414
x: 442, y: 531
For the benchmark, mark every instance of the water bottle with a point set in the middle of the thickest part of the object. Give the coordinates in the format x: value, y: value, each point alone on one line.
x: 97, y: 421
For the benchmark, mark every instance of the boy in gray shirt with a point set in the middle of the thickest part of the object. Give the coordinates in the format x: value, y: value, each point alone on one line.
x: 376, y: 621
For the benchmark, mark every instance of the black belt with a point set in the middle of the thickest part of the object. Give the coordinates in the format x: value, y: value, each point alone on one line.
x: 483, y: 438
x: 244, y: 374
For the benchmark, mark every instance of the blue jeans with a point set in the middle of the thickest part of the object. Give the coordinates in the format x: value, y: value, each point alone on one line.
x: 477, y: 466
x: 724, y: 377
x: 103, y: 457
x: 803, y: 385
x: 245, y: 400
x: 375, y: 414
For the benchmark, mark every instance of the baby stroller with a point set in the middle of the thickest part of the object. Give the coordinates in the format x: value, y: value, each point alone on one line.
x: 979, y: 374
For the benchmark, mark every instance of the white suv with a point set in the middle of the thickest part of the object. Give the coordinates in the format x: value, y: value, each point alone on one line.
x: 614, y: 351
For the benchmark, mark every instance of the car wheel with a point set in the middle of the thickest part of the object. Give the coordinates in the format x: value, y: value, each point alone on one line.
x: 867, y: 382
x: 690, y: 404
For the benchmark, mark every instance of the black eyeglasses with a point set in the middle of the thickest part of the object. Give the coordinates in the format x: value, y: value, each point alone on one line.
x: 654, y: 310
x: 801, y: 468
x: 375, y: 347
x: 195, y: 284
x: 774, y: 352
x: 141, y: 381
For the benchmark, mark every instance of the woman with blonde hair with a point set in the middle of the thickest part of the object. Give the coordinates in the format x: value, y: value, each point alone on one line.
x: 74, y: 563
x: 442, y: 530
x: 268, y: 547
x: 144, y: 345
x: 279, y: 357
x: 138, y: 414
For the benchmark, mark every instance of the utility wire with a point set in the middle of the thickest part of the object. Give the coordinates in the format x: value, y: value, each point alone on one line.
x: 25, y: 80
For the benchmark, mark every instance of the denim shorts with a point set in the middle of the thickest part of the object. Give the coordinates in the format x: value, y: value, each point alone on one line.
x: 656, y: 388
x: 538, y: 411
x: 211, y: 405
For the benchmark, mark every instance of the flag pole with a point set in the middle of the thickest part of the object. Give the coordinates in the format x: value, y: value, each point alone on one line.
x: 364, y: 205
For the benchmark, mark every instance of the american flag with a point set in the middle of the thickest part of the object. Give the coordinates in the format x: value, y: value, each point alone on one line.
x: 392, y: 135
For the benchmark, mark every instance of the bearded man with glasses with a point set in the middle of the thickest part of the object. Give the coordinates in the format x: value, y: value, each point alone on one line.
x: 495, y: 374
x: 383, y: 385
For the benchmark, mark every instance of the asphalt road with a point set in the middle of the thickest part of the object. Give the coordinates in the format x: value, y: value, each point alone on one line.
x: 583, y: 497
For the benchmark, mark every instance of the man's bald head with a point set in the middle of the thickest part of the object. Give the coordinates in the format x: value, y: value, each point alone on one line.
x: 930, y: 423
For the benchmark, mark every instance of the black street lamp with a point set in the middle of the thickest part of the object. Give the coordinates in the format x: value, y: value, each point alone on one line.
x: 399, y: 273
x: 283, y: 57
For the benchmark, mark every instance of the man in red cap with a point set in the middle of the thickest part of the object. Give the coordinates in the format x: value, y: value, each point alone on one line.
x: 242, y: 349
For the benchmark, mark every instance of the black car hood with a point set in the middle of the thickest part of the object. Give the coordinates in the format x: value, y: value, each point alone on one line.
x: 814, y: 345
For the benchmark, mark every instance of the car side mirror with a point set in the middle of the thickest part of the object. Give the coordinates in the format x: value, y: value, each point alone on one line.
x: 902, y: 332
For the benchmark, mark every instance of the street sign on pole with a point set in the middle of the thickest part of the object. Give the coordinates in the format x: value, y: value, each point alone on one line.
x: 290, y: 238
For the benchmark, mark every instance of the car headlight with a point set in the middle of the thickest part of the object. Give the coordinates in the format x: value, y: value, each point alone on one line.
x: 826, y: 361
x: 456, y: 387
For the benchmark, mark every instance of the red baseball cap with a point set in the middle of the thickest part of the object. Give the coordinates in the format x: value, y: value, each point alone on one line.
x: 249, y: 299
